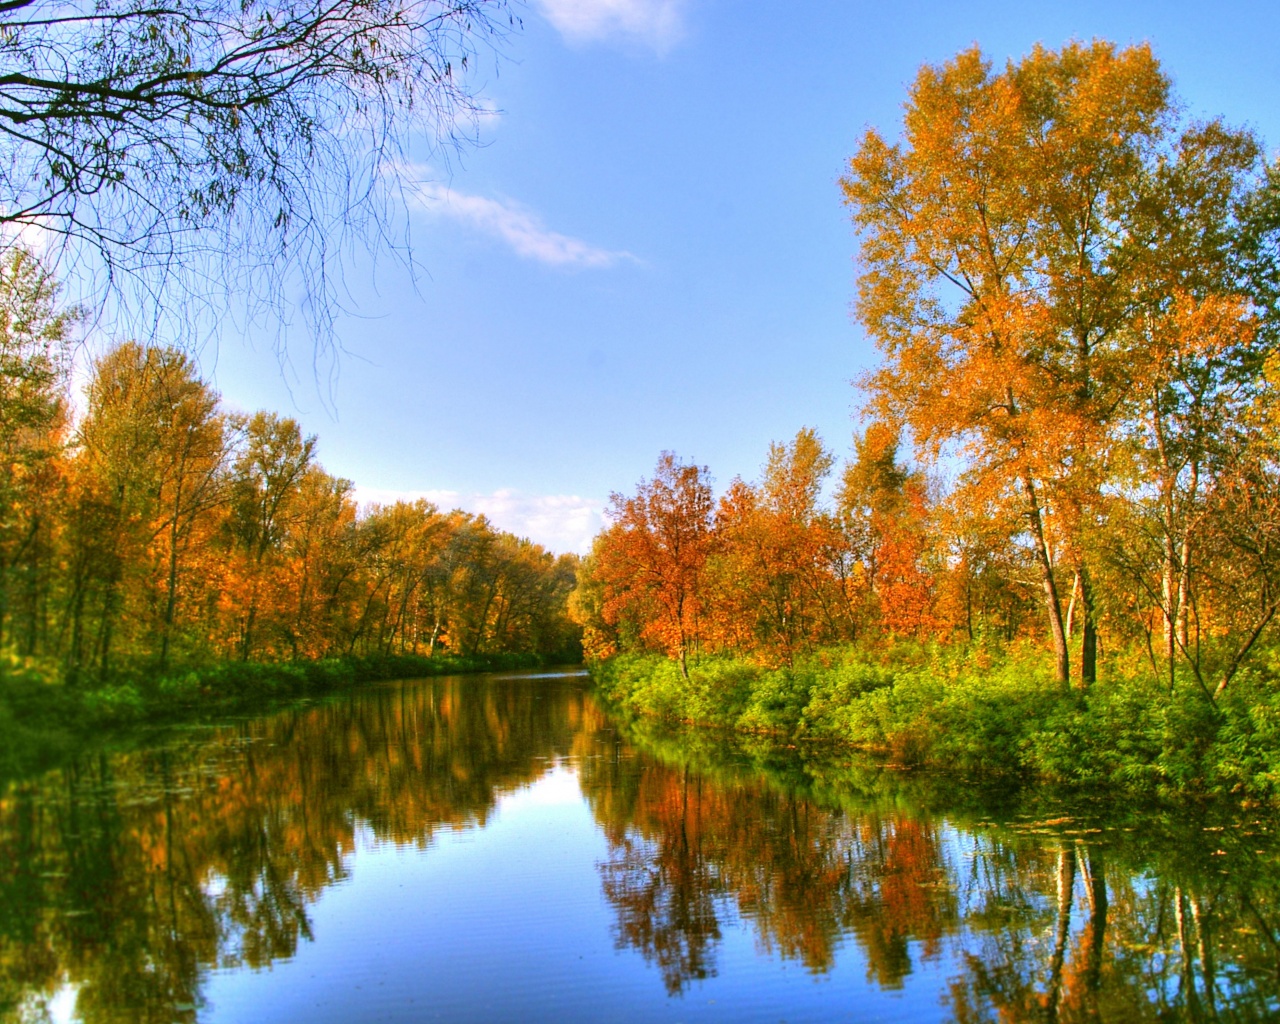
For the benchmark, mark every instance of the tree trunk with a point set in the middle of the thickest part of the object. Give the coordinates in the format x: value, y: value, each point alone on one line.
x: 1053, y: 605
x: 171, y: 592
x: 1169, y: 594
x: 1088, y: 633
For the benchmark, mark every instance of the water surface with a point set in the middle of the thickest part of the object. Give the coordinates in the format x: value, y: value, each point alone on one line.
x: 494, y: 848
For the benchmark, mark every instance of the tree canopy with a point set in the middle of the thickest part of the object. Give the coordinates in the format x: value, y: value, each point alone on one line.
x: 1073, y: 287
x: 1022, y: 244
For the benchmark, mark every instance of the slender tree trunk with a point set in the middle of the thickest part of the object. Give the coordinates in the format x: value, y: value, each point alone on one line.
x: 74, y: 660
x: 5, y: 570
x: 304, y: 597
x: 171, y: 595
x: 1169, y: 595
x: 482, y: 622
x: 106, y: 632
x: 1173, y: 580
x: 246, y: 642
x: 1088, y: 633
x: 1053, y: 604
x: 1184, y: 592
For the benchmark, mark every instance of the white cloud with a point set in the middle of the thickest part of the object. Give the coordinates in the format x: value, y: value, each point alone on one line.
x: 559, y: 522
x: 655, y: 23
x: 518, y: 227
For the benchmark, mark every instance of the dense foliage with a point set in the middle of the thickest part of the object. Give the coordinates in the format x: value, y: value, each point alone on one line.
x: 157, y: 532
x: 981, y: 714
x: 1074, y: 290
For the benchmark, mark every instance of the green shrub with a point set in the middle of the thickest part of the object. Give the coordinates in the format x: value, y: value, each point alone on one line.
x: 982, y: 712
x: 113, y: 704
x: 775, y: 701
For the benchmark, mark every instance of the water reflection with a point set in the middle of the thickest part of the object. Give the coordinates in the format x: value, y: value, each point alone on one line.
x: 1039, y: 916
x: 126, y: 879
x: 131, y: 875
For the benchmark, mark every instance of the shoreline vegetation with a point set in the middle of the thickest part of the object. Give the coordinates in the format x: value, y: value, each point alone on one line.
x: 42, y: 718
x: 991, y: 716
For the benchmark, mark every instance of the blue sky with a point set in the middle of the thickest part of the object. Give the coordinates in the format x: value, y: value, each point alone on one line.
x: 648, y: 251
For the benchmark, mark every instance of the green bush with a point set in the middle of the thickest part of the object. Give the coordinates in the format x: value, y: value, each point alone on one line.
x: 983, y: 712
x: 113, y: 704
x: 775, y: 701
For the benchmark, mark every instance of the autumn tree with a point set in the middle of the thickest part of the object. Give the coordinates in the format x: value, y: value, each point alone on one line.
x: 264, y: 493
x: 773, y: 589
x: 1004, y: 264
x: 33, y: 423
x: 322, y: 563
x: 1197, y: 353
x: 884, y: 507
x: 652, y: 558
x: 149, y: 456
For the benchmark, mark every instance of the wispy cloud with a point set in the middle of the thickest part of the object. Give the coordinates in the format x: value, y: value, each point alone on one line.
x: 518, y: 227
x: 655, y: 23
x: 559, y: 522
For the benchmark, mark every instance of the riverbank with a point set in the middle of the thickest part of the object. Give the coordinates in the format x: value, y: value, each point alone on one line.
x: 982, y: 713
x: 41, y: 717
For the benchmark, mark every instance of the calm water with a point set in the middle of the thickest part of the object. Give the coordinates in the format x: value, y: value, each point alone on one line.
x: 494, y: 849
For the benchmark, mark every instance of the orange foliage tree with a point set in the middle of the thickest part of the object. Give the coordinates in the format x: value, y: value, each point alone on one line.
x: 651, y: 560
x: 775, y: 594
x: 1007, y: 251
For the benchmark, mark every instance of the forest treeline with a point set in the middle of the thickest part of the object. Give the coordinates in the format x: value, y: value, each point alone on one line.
x: 1072, y: 438
x: 145, y: 528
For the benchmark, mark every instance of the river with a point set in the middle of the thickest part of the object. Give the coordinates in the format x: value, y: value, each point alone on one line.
x: 495, y: 848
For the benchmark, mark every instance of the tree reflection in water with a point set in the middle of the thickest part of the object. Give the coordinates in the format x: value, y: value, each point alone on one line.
x: 1150, y: 918
x: 127, y: 878
x: 130, y: 876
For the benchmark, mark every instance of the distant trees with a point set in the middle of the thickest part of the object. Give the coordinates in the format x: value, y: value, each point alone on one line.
x: 163, y: 531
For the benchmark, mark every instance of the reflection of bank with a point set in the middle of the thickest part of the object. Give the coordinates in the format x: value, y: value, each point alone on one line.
x: 1048, y: 921
x: 127, y: 878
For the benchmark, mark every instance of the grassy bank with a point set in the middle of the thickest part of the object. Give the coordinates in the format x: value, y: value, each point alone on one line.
x: 41, y: 718
x: 983, y: 713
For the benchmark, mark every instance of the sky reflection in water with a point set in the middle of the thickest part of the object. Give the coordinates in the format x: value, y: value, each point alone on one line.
x: 488, y: 849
